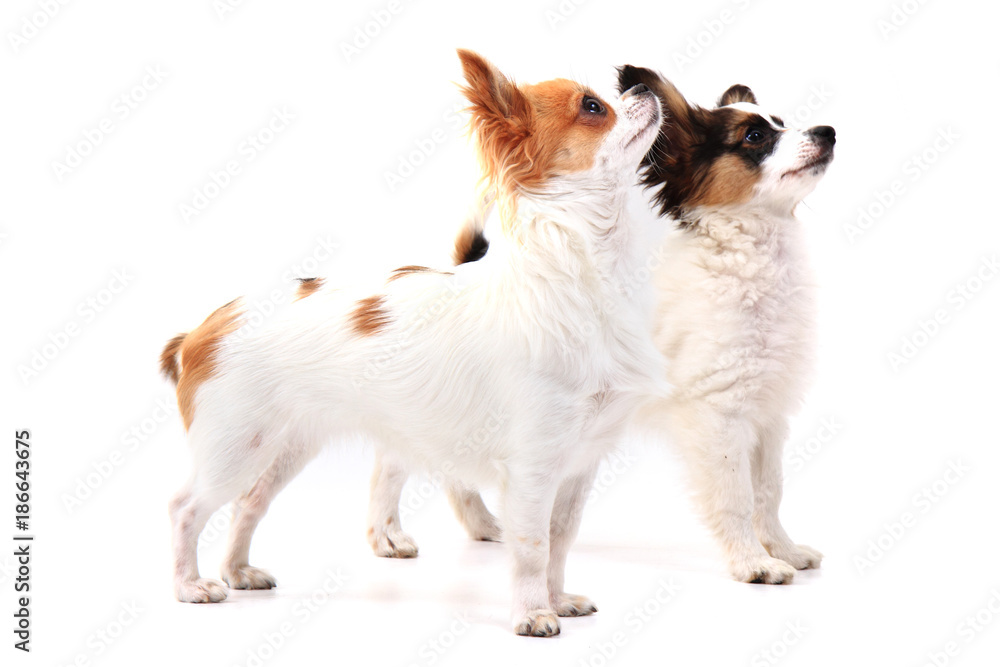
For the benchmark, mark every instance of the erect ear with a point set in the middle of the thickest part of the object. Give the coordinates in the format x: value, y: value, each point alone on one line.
x: 737, y: 93
x: 679, y: 123
x: 494, y: 100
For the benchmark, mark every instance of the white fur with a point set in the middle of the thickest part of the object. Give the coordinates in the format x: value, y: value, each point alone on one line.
x: 736, y: 324
x: 538, y: 341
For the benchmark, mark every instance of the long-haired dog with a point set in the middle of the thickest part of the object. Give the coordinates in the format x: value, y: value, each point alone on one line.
x: 537, y: 346
x: 736, y: 314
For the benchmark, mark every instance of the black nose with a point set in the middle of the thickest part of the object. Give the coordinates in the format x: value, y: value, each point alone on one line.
x: 824, y: 132
x: 638, y: 88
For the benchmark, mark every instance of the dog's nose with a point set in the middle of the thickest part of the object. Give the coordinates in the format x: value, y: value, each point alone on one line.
x: 824, y: 132
x: 637, y: 89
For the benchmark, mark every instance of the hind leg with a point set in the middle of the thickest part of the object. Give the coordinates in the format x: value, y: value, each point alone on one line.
x: 189, y: 512
x: 767, y: 489
x: 385, y: 533
x: 473, y: 514
x: 250, y: 509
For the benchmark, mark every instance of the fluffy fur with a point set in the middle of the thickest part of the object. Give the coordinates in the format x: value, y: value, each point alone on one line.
x: 538, y: 340
x: 736, y: 313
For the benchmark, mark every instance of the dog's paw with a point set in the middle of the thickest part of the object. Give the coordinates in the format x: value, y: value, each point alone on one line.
x: 391, y: 543
x: 473, y: 514
x: 566, y: 604
x: 201, y: 590
x: 798, y: 556
x: 248, y: 578
x: 763, y: 570
x: 485, y: 529
x: 538, y: 623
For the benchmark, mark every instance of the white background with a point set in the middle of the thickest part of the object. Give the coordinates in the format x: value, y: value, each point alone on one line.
x: 892, y: 429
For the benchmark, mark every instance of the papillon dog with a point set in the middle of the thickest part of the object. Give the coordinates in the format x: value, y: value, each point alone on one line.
x: 736, y: 315
x: 518, y: 371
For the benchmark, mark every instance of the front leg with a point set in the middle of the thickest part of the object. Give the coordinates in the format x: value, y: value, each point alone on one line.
x: 767, y: 489
x: 718, y: 450
x: 565, y: 524
x: 527, y: 510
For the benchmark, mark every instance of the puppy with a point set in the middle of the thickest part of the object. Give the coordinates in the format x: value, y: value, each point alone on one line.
x: 736, y: 313
x: 539, y: 340
x: 736, y: 309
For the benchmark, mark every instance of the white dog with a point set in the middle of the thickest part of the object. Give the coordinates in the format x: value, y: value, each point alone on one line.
x: 539, y: 340
x: 736, y: 318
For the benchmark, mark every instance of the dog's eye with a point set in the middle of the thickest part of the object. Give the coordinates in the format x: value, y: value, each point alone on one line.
x: 591, y: 105
x: 754, y: 137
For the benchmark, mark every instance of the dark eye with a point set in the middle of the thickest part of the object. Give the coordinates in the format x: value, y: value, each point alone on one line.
x: 591, y: 105
x: 754, y: 137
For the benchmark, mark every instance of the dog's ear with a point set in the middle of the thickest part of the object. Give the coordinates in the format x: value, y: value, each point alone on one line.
x: 668, y: 164
x: 497, y: 105
x: 737, y: 93
x: 679, y: 116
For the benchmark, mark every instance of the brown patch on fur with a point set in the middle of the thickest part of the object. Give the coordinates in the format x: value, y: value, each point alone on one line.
x: 256, y: 441
x: 528, y: 134
x: 197, y: 353
x: 308, y: 286
x: 407, y: 270
x: 369, y: 317
x: 727, y: 181
x: 699, y: 158
x: 168, y: 358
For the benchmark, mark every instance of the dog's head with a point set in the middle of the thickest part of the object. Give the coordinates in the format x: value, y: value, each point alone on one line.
x: 733, y: 155
x: 530, y: 136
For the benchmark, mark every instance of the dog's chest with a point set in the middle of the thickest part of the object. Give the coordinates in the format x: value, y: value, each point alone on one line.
x: 737, y: 316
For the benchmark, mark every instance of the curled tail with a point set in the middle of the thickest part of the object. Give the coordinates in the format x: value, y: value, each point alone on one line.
x: 168, y: 358
x: 471, y: 244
